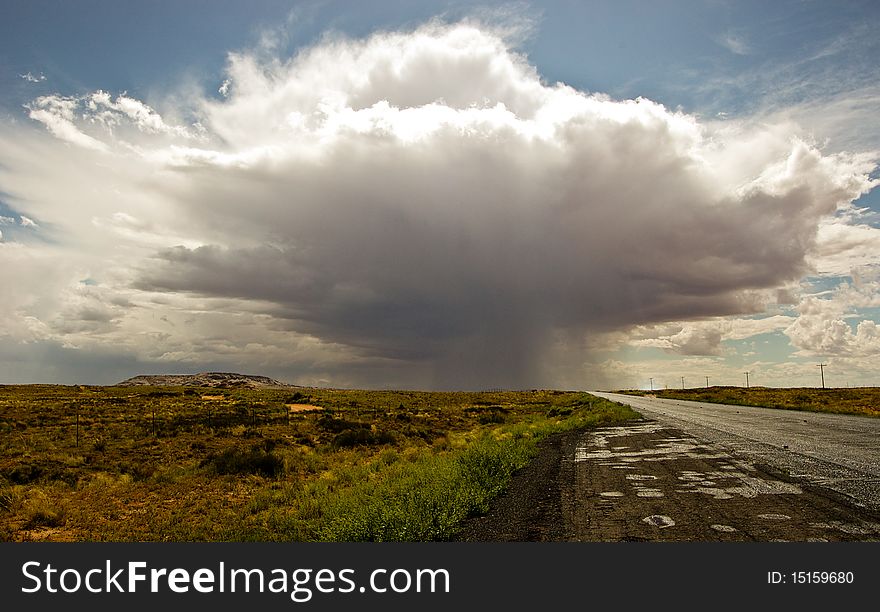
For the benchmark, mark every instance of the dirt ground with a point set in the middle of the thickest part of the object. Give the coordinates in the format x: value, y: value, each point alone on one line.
x: 648, y: 482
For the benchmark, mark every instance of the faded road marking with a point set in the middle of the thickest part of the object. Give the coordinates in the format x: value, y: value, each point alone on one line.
x: 659, y: 520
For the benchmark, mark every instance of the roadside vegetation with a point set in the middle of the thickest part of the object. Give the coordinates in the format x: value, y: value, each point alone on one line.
x: 863, y: 401
x: 199, y: 464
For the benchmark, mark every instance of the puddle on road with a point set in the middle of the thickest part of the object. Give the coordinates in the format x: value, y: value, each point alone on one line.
x: 723, y: 528
x: 611, y: 494
x: 640, y: 477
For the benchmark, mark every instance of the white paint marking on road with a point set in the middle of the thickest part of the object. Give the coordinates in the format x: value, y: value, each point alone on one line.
x: 774, y: 517
x: 644, y: 492
x: 659, y: 520
x: 866, y: 528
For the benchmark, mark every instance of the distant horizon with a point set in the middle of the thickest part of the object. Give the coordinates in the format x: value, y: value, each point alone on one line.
x: 426, y: 390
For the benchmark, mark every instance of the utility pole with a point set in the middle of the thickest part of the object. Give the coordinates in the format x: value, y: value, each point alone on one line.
x: 707, y: 382
x: 682, y: 382
x: 747, y: 379
x: 821, y: 367
x: 652, y: 383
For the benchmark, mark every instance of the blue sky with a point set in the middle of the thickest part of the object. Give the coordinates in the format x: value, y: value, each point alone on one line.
x: 106, y: 257
x: 671, y: 52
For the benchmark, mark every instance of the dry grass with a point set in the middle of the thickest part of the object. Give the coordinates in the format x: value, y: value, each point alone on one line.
x: 175, y: 463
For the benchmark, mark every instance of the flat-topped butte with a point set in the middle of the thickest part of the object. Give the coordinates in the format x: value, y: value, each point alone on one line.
x: 205, y: 379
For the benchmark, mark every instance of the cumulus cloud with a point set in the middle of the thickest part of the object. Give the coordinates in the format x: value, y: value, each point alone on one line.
x: 704, y: 337
x: 689, y: 340
x: 843, y: 246
x: 110, y: 113
x: 830, y: 325
x: 423, y: 203
x: 58, y: 115
x: 100, y: 122
x: 33, y: 78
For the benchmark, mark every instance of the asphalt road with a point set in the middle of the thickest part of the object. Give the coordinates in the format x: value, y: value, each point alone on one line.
x: 691, y: 471
x: 840, y: 453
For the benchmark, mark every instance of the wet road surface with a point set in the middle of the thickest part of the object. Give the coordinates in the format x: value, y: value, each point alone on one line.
x: 840, y: 453
x: 696, y: 472
x: 648, y: 481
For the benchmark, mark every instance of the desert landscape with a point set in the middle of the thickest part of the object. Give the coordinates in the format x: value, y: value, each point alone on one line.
x: 249, y: 458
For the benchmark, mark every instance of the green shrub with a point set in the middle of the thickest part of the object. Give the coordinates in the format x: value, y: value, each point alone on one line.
x: 362, y: 436
x: 39, y: 511
x: 333, y: 425
x: 256, y: 460
x: 490, y: 418
x: 420, y: 500
x: 24, y: 474
x: 564, y: 412
x: 10, y: 498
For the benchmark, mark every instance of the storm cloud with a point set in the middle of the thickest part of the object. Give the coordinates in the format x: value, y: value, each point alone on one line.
x: 424, y: 202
